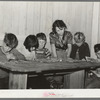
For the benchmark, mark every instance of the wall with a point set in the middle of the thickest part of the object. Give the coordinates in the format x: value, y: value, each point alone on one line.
x: 24, y: 18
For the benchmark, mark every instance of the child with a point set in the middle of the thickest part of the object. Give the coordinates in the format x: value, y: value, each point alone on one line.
x: 58, y: 44
x: 61, y: 43
x: 80, y: 48
x: 42, y: 52
x: 7, y: 53
x: 97, y: 51
x: 31, y: 43
x: 94, y: 81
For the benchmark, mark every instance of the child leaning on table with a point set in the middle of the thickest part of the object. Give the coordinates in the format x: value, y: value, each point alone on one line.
x: 94, y: 81
x: 60, y: 40
x: 80, y: 49
x: 39, y: 82
x: 8, y: 52
x: 31, y: 44
x: 61, y: 45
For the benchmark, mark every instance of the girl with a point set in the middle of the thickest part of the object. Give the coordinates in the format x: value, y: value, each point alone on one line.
x: 60, y: 40
x: 61, y: 44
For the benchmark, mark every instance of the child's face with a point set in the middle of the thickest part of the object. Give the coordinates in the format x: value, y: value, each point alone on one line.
x: 60, y: 31
x: 41, y: 43
x: 98, y: 54
x: 77, y: 39
x: 5, y: 48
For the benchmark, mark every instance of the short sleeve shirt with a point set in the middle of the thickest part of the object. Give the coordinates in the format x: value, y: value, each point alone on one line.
x: 59, y: 44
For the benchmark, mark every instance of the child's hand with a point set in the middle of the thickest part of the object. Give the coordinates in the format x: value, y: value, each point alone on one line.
x: 54, y: 59
x: 10, y: 56
x: 83, y: 60
x: 69, y: 59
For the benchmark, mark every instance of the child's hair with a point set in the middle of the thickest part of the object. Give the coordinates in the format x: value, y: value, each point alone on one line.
x: 80, y: 34
x: 41, y: 36
x: 96, y: 48
x: 10, y: 40
x: 31, y: 41
x: 59, y: 24
x: 67, y: 36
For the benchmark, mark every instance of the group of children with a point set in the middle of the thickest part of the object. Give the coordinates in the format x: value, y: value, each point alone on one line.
x: 62, y: 48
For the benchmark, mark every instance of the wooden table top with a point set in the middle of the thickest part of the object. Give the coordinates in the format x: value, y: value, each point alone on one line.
x: 29, y: 66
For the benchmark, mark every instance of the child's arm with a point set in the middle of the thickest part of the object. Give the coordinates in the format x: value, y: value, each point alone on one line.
x: 53, y: 49
x: 69, y: 50
x: 10, y: 56
x: 31, y: 56
x: 18, y: 55
x: 52, y: 43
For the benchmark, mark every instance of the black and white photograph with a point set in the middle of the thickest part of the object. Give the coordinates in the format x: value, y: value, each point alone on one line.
x: 48, y: 45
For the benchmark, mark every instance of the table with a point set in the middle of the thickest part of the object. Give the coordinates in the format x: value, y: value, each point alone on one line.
x: 18, y: 72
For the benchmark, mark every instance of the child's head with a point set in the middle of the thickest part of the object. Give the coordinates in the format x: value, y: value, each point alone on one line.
x: 31, y: 43
x: 10, y: 42
x: 67, y: 36
x: 97, y: 50
x: 42, y: 40
x: 59, y: 27
x: 79, y: 37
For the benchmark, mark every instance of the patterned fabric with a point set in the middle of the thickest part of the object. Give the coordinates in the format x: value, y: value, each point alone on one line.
x: 83, y: 51
x: 59, y: 44
x: 43, y: 53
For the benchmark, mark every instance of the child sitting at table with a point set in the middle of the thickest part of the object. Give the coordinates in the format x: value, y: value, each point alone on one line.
x: 94, y: 80
x: 80, y: 48
x: 31, y: 44
x: 7, y: 53
x: 41, y: 51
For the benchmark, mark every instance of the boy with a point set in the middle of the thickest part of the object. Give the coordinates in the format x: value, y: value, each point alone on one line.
x: 94, y: 82
x: 31, y: 43
x: 80, y: 48
x: 7, y: 53
x: 41, y: 51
